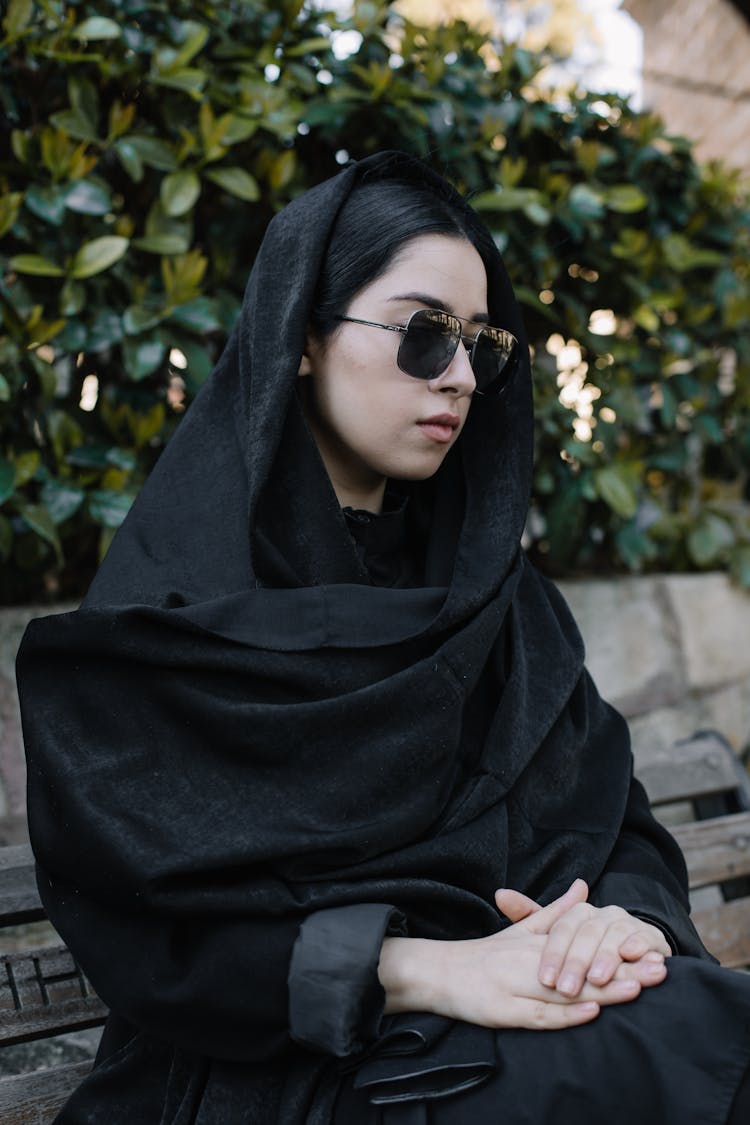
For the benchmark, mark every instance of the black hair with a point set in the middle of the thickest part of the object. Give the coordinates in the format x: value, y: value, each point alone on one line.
x: 377, y: 220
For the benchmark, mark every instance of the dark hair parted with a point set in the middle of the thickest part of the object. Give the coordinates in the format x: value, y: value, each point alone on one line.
x: 377, y: 220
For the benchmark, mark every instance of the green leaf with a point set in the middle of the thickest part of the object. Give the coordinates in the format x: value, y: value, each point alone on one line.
x: 708, y: 542
x: 200, y: 315
x: 17, y: 17
x: 613, y: 485
x: 109, y: 508
x: 130, y: 159
x: 154, y: 152
x: 179, y: 191
x: 237, y: 182
x: 190, y: 79
x: 35, y: 264
x: 47, y: 203
x: 7, y: 479
x: 74, y: 125
x: 139, y: 318
x: 97, y: 27
x: 4, y: 389
x: 98, y: 255
x: 193, y: 37
x: 625, y: 198
x: 72, y: 298
x: 586, y: 202
x: 142, y: 356
x: 61, y: 501
x: 26, y: 464
x: 39, y: 520
x: 682, y: 255
x: 106, y: 331
x: 507, y: 199
x: 84, y: 99
x: 87, y: 198
x: 162, y: 244
x: 239, y: 129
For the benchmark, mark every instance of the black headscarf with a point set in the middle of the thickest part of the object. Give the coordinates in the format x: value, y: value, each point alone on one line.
x: 236, y: 729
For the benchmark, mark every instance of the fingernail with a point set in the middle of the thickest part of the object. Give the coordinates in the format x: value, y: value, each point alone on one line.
x: 567, y: 983
x: 655, y: 957
x: 547, y: 976
x: 597, y: 971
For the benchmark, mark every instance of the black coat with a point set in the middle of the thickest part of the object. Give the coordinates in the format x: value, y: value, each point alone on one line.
x: 237, y: 730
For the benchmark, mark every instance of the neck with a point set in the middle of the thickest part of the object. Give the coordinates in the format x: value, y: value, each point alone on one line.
x: 351, y: 496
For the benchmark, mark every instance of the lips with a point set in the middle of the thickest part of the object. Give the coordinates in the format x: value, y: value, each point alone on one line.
x: 440, y: 427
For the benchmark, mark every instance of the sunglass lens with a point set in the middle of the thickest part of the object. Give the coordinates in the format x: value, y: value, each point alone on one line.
x: 493, y: 361
x: 429, y: 344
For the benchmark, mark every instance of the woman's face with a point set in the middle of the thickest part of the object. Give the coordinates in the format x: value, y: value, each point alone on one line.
x: 370, y: 420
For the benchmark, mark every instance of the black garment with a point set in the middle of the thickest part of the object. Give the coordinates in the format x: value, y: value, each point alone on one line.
x: 239, y: 732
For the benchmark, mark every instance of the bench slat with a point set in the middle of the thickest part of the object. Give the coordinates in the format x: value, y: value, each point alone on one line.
x: 19, y: 898
x: 34, y: 1099
x: 691, y: 769
x: 43, y: 992
x: 725, y: 932
x: 715, y: 849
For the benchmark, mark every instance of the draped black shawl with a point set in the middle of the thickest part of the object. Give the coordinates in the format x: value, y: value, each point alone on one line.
x: 237, y: 729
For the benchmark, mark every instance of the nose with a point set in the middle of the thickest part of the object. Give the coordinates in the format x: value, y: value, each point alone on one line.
x: 458, y: 377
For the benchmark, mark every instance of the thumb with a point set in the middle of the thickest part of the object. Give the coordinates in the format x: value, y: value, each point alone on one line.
x: 542, y: 921
x: 515, y: 905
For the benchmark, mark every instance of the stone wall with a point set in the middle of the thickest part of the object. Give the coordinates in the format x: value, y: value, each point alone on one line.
x: 671, y: 652
x: 696, y: 64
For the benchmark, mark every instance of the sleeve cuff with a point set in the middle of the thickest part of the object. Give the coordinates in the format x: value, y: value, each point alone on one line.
x: 336, y: 1000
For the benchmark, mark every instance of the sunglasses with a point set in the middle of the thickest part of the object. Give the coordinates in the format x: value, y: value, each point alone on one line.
x: 430, y: 341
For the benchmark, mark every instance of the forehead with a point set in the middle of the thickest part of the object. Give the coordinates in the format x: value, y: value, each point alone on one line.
x: 446, y: 269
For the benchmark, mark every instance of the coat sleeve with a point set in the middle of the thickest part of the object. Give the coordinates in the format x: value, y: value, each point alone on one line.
x: 242, y: 989
x: 646, y: 875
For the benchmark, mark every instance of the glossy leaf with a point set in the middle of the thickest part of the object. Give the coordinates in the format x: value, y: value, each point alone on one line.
x: 109, y: 508
x: 61, y: 501
x: 179, y: 191
x: 142, y: 356
x: 36, y: 265
x: 47, y: 203
x: 237, y: 182
x: 153, y: 152
x: 98, y: 255
x: 613, y: 484
x: 88, y: 198
x: 97, y: 27
x: 40, y: 521
x: 17, y: 17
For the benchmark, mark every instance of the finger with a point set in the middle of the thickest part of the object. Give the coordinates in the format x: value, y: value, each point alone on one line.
x: 515, y: 905
x: 588, y: 958
x: 542, y: 921
x: 648, y: 973
x: 646, y: 939
x: 559, y: 941
x: 539, y: 1015
x: 608, y: 956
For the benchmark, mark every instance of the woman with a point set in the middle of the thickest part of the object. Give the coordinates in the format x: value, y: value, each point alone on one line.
x: 317, y: 709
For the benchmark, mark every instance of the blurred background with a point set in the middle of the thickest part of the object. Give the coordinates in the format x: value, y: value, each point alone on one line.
x: 144, y: 148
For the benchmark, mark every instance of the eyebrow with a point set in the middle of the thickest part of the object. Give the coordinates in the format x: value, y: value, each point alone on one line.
x: 436, y: 303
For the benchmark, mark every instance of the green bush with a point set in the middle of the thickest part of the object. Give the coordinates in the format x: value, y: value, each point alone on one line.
x: 147, y: 144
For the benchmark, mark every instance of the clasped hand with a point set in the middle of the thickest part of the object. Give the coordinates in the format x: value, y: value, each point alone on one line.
x: 556, y: 966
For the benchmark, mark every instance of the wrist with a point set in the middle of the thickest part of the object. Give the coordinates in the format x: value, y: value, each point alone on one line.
x: 407, y: 970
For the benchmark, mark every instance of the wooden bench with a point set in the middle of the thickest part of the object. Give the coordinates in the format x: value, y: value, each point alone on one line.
x: 698, y: 788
